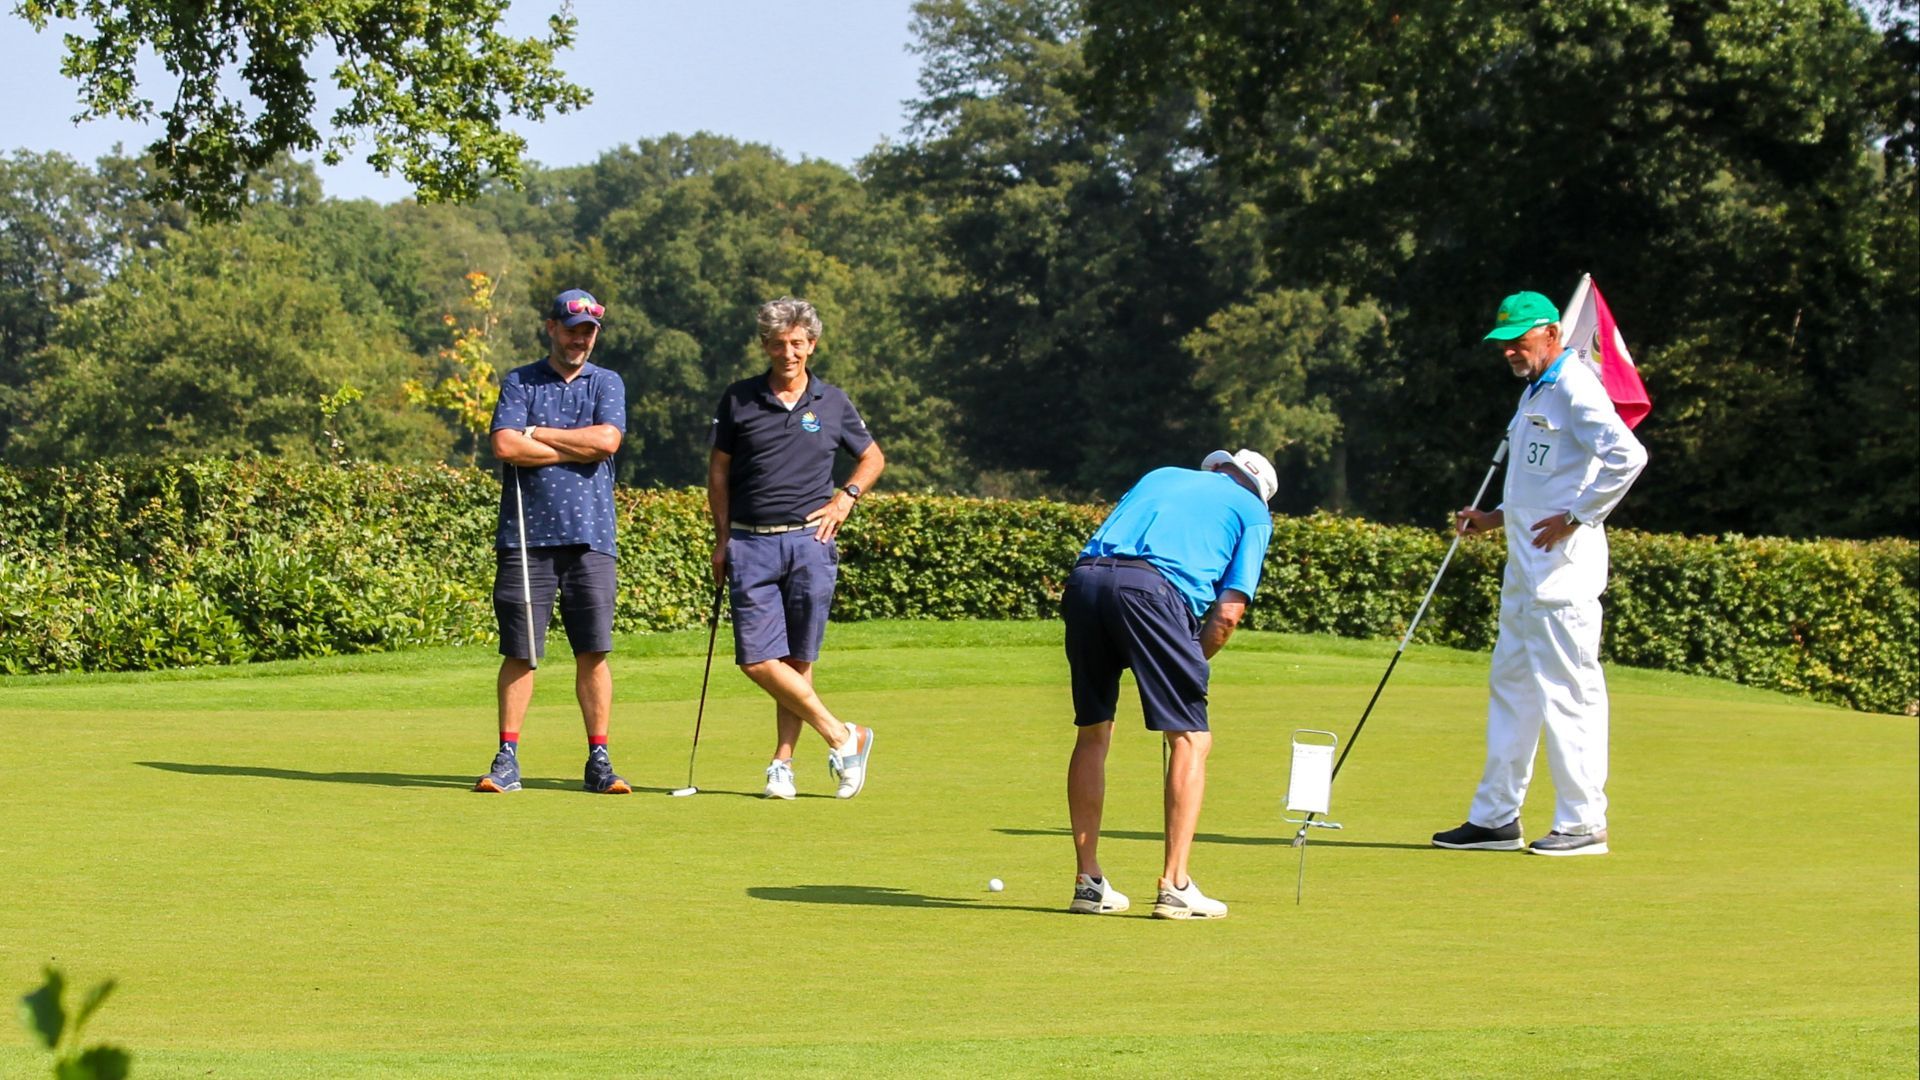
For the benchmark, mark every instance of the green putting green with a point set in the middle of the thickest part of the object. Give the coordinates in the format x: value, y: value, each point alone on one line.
x: 285, y: 870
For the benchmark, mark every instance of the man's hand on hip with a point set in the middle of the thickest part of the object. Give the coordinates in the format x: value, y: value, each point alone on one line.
x: 828, y: 519
x: 1549, y: 531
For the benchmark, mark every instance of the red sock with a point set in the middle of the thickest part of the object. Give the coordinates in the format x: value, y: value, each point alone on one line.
x: 596, y: 742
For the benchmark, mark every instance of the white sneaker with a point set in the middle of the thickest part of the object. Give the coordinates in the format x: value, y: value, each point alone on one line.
x: 849, y: 762
x: 780, y: 780
x: 1097, y: 896
x: 1187, y: 903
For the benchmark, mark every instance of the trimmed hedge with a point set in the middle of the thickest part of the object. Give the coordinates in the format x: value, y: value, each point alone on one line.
x: 112, y: 569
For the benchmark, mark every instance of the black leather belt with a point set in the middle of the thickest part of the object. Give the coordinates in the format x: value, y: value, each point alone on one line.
x: 1111, y: 560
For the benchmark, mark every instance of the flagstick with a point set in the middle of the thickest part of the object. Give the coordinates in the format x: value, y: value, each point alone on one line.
x: 1499, y: 455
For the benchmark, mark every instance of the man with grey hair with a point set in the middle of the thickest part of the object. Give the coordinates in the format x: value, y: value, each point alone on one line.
x: 775, y: 512
x: 1574, y: 458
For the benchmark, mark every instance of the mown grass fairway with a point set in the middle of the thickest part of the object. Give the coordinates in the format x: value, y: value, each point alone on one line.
x: 283, y: 867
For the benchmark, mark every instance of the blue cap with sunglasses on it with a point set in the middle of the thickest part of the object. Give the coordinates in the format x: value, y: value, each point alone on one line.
x: 576, y: 306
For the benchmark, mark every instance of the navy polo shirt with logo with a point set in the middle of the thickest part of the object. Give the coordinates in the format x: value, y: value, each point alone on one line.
x: 568, y: 502
x: 782, y: 459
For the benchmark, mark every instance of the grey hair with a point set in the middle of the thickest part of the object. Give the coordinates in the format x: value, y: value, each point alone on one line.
x: 777, y: 316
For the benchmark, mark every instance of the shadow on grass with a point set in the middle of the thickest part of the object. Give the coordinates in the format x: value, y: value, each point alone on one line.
x: 1219, y: 838
x: 878, y: 896
x: 376, y: 779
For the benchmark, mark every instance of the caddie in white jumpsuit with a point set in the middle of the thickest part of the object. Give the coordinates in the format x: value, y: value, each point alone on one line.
x: 1571, y: 459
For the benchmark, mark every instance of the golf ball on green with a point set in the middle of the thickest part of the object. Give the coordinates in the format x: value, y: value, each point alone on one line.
x: 995, y: 885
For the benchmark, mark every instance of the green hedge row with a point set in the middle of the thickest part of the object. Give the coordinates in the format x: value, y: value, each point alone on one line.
x: 222, y: 562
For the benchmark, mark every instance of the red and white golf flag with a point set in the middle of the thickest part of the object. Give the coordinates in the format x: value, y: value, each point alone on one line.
x: 1587, y: 327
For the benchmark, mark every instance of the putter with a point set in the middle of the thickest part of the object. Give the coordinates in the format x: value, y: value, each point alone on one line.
x: 526, y: 579
x: 1499, y: 455
x: 713, y: 633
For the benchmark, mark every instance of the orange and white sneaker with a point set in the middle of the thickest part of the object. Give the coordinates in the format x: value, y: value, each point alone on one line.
x: 849, y: 761
x: 1097, y: 896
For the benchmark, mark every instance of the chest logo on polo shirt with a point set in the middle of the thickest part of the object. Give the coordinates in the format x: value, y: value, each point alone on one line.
x: 809, y: 422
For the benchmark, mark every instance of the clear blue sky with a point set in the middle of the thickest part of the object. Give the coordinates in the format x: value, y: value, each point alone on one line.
x: 823, y: 80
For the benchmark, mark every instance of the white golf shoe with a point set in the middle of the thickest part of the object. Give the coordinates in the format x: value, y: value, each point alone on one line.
x: 849, y: 761
x: 1097, y: 896
x: 780, y: 780
x: 1187, y: 903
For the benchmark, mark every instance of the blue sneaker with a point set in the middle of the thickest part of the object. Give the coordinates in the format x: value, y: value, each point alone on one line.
x: 504, y: 776
x: 601, y: 779
x: 849, y: 762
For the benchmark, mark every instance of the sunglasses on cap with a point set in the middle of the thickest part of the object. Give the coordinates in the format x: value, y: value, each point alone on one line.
x: 578, y: 306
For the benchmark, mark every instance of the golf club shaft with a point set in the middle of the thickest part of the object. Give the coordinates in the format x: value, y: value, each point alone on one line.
x: 1499, y: 455
x: 526, y: 577
x: 713, y: 634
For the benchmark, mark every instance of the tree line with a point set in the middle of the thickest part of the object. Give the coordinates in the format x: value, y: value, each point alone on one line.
x: 1114, y: 234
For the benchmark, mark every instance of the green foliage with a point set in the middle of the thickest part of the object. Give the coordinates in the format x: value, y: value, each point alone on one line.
x: 64, y: 228
x: 1738, y: 176
x: 471, y: 385
x: 44, y: 1012
x: 1298, y: 374
x: 222, y: 562
x: 217, y: 342
x: 1070, y: 255
x: 428, y: 80
x: 1837, y: 621
x: 929, y: 557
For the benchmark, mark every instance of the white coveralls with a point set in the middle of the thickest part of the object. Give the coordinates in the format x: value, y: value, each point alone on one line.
x: 1569, y: 452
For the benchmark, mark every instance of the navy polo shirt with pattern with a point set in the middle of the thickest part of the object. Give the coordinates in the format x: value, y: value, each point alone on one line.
x: 567, y: 502
x: 782, y: 459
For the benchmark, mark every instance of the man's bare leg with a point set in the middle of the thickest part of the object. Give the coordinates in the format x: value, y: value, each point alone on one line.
x: 513, y: 690
x: 1186, y: 787
x: 593, y: 686
x: 1087, y: 793
x: 787, y: 722
x: 793, y: 691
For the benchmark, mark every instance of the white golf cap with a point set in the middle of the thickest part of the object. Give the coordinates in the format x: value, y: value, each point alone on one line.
x: 1251, y: 464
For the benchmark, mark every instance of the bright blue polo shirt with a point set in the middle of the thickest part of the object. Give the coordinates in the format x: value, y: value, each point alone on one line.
x: 780, y: 466
x: 567, y: 502
x: 1202, y: 531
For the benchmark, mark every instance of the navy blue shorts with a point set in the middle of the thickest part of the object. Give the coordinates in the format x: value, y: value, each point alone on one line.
x: 579, y: 575
x: 782, y: 588
x: 1125, y: 615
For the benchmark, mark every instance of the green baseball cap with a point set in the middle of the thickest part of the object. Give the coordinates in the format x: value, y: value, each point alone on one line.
x: 1520, y: 313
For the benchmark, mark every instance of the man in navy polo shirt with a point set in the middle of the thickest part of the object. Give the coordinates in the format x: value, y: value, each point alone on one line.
x: 775, y: 513
x: 555, y: 429
x: 1159, y: 589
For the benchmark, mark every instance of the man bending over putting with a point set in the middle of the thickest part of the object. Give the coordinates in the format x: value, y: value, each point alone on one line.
x: 1159, y: 589
x: 555, y: 429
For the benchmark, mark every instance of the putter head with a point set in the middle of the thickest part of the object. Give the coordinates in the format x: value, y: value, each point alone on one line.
x: 681, y: 793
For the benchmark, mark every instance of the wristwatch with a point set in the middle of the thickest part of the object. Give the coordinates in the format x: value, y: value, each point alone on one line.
x: 853, y: 491
x: 1571, y: 520
x: 528, y: 432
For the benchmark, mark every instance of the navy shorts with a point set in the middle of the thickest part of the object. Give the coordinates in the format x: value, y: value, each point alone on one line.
x: 579, y: 575
x: 1126, y: 615
x: 782, y: 588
